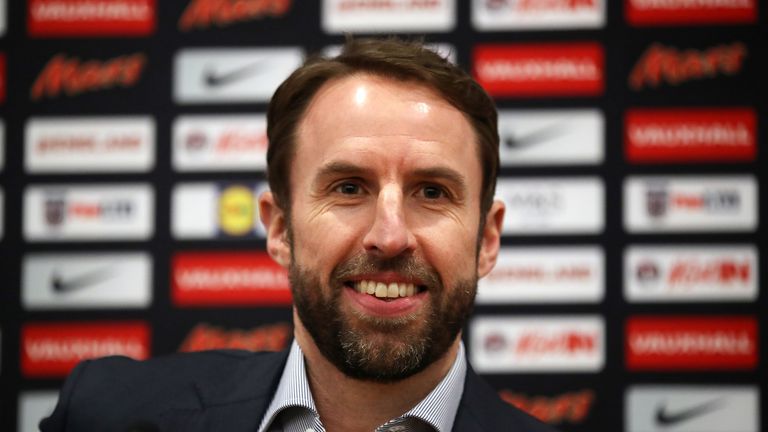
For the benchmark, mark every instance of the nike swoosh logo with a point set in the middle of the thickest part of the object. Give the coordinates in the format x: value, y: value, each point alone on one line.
x: 214, y: 78
x: 61, y: 285
x: 535, y: 137
x: 666, y: 418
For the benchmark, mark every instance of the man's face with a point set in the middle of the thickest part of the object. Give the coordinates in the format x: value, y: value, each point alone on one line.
x: 382, y: 244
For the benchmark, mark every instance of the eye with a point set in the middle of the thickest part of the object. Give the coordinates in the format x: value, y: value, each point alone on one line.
x: 432, y: 192
x: 348, y: 188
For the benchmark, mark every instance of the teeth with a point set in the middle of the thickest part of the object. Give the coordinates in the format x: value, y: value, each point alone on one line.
x: 382, y: 290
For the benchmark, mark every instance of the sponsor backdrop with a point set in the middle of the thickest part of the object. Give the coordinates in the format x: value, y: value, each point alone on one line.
x: 628, y: 293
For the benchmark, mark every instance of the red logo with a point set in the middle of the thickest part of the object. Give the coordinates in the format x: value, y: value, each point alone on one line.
x: 46, y: 18
x: 683, y: 343
x: 687, y: 12
x: 273, y: 337
x: 229, y: 279
x: 723, y: 272
x: 667, y: 65
x: 221, y: 13
x: 51, y: 350
x: 72, y: 77
x: 677, y: 135
x: 540, y: 70
x: 572, y: 407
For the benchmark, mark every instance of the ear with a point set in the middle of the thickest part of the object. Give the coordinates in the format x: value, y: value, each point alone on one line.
x: 490, y: 239
x: 273, y: 218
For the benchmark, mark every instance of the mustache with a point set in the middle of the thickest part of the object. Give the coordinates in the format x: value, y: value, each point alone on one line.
x: 405, y: 265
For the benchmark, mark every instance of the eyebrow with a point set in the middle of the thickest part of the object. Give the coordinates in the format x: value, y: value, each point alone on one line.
x: 337, y: 168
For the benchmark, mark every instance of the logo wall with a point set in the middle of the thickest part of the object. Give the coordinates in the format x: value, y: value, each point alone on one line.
x: 2, y: 145
x: 690, y: 203
x: 690, y: 135
x: 203, y: 75
x: 51, y: 350
x: 269, y: 337
x: 540, y: 69
x: 67, y: 18
x: 552, y: 205
x: 489, y: 15
x: 563, y: 274
x: 208, y: 279
x: 662, y: 65
x: 692, y: 408
x: 339, y: 16
x: 203, y: 14
x: 566, y: 408
x: 86, y: 281
x: 551, y: 137
x: 96, y: 212
x: 210, y: 210
x: 687, y: 12
x: 89, y: 144
x: 2, y: 213
x: 537, y: 344
x: 210, y: 143
x: 690, y: 273
x: 65, y: 76
x: 34, y: 406
x: 691, y: 343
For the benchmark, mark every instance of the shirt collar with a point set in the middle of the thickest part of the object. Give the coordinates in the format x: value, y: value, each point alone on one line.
x: 438, y: 408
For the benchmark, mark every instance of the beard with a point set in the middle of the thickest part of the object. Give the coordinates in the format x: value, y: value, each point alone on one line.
x: 375, y: 348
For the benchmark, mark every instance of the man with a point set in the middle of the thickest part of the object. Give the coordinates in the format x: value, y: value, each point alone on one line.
x: 382, y: 167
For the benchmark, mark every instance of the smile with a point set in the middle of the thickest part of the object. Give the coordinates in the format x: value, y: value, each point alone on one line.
x: 386, y: 290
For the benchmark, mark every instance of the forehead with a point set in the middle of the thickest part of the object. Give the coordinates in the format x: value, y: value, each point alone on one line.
x: 365, y: 111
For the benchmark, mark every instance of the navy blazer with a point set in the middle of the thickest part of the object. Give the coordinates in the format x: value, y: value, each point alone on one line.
x: 224, y: 390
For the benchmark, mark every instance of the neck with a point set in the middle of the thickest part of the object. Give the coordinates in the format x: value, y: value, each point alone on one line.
x: 338, y: 398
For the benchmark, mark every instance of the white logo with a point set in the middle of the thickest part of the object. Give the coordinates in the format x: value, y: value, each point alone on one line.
x: 95, y: 212
x: 444, y: 50
x: 232, y: 75
x: 551, y: 137
x: 89, y: 144
x: 537, y: 344
x: 537, y: 14
x: 692, y: 408
x: 34, y: 406
x: 690, y: 204
x: 209, y: 143
x: 74, y: 281
x: 692, y: 273
x: 197, y: 210
x: 553, y: 205
x: 376, y: 16
x: 545, y: 275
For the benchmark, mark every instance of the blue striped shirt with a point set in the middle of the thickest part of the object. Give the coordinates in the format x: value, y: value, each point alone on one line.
x: 293, y: 409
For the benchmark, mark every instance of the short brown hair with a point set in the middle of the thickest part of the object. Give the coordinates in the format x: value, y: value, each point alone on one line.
x: 389, y: 58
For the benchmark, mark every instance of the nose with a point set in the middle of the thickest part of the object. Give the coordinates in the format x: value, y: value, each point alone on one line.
x: 389, y: 235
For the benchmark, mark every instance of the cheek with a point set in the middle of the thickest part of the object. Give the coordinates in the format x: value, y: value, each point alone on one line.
x: 323, y: 242
x: 452, y: 250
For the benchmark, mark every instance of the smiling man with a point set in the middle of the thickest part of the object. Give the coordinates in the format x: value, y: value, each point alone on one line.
x: 382, y: 167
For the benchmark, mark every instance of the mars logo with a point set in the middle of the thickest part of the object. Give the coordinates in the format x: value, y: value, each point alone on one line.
x: 201, y: 14
x: 237, y: 210
x: 72, y: 77
x: 574, y: 407
x: 272, y: 337
x: 667, y: 65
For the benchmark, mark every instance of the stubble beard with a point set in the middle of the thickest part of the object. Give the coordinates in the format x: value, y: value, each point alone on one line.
x: 375, y: 348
